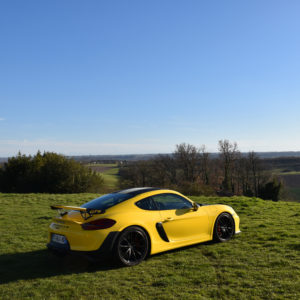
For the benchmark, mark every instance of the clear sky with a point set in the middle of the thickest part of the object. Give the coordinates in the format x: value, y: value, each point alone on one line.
x: 122, y: 77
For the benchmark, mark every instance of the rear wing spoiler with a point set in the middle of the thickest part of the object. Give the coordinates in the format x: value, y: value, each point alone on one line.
x: 85, y: 212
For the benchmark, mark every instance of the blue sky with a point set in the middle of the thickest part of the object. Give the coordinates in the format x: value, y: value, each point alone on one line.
x: 120, y: 77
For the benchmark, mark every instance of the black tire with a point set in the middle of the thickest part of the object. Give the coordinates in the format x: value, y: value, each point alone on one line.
x: 132, y: 246
x: 224, y: 228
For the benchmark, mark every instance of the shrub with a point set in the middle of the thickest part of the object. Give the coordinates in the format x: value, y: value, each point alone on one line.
x: 47, y: 173
x: 271, y: 190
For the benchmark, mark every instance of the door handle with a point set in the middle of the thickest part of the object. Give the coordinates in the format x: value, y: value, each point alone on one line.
x: 168, y: 219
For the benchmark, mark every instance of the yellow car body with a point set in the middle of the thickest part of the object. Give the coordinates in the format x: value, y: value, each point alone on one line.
x: 165, y: 228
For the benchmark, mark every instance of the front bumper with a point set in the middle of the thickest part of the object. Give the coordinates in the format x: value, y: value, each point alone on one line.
x: 237, y: 223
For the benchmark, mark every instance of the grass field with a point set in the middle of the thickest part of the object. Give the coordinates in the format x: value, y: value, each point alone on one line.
x: 263, y: 262
x: 109, y: 173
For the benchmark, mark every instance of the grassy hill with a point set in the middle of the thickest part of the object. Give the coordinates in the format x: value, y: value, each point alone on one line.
x: 263, y: 262
x: 109, y: 173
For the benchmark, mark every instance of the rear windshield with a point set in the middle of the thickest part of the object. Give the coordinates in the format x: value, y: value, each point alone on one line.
x: 107, y: 201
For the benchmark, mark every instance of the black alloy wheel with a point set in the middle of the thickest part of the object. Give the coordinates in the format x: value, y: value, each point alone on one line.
x: 224, y: 228
x: 132, y: 246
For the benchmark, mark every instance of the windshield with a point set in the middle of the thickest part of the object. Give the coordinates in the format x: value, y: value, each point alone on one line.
x: 106, y: 201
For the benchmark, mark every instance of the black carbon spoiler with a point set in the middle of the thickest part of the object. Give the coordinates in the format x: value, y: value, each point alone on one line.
x: 86, y: 213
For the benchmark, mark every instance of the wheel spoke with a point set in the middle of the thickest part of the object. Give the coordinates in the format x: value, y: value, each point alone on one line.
x: 126, y: 240
x: 224, y: 227
x: 133, y: 254
x: 133, y: 247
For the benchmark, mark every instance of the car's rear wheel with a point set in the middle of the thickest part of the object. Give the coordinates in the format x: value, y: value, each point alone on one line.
x: 224, y: 228
x: 132, y: 246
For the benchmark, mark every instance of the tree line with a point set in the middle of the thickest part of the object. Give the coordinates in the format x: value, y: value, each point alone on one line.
x: 193, y: 171
x: 47, y: 173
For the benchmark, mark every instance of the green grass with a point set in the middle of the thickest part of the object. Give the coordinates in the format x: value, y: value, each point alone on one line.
x: 263, y: 262
x: 109, y: 173
x: 289, y: 173
x: 110, y: 181
x: 111, y: 178
x: 102, y: 165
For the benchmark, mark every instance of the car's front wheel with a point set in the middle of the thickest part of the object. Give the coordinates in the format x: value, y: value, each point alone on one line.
x: 132, y: 246
x: 224, y: 228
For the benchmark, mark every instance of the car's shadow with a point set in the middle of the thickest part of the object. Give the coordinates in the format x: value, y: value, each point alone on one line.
x: 42, y: 264
x: 177, y: 250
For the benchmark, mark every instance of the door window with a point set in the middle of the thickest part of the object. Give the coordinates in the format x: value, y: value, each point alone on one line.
x: 171, y: 201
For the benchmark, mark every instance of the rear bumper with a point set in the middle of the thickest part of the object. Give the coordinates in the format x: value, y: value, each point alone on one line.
x: 106, y: 249
x: 58, y: 247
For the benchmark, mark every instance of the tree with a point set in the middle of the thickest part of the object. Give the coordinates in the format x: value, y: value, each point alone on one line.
x: 17, y: 174
x: 271, y: 190
x: 228, y: 154
x: 48, y: 173
x: 187, y: 159
x: 190, y: 170
x: 165, y: 170
x: 255, y: 171
x: 204, y: 164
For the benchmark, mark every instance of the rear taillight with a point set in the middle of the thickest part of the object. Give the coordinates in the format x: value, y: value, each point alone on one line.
x: 98, y: 224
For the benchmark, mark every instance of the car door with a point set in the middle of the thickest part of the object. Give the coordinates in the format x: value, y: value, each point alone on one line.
x: 180, y: 221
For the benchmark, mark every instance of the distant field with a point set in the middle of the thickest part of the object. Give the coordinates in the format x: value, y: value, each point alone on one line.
x: 263, y: 262
x: 102, y: 166
x: 290, y: 173
x: 291, y: 180
x: 294, y: 193
x: 288, y: 170
x: 109, y: 172
x: 291, y: 183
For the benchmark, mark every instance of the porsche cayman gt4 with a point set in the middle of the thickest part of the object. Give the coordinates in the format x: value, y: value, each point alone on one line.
x: 131, y: 224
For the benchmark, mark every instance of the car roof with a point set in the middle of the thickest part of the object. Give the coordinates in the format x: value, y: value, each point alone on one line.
x: 137, y: 191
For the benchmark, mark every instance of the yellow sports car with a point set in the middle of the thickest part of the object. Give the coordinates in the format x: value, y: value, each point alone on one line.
x: 131, y: 224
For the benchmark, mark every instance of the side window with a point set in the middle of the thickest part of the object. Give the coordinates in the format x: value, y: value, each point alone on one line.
x: 147, y: 204
x: 171, y: 201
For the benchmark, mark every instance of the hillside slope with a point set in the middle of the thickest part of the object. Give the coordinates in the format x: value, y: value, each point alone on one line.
x: 263, y: 262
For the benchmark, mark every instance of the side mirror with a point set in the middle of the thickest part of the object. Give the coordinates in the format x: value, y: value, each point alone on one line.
x: 195, y: 206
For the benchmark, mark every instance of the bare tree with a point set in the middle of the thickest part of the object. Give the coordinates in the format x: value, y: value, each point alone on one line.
x: 228, y: 153
x: 187, y: 158
x: 255, y: 171
x: 204, y: 164
x: 165, y: 169
x: 238, y: 171
x: 244, y: 175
